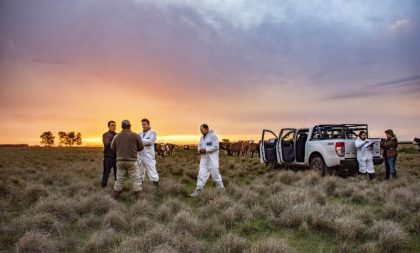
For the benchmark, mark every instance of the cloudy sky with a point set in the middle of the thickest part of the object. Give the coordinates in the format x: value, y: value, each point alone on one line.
x: 240, y: 66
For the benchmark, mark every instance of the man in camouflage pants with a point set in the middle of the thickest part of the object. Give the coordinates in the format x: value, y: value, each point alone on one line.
x: 126, y: 144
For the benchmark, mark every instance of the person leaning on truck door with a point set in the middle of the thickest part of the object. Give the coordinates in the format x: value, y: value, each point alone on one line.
x: 364, y: 155
x: 389, y: 147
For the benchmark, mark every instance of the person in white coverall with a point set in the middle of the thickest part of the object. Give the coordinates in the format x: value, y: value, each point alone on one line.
x: 209, y: 163
x: 364, y: 149
x: 146, y: 157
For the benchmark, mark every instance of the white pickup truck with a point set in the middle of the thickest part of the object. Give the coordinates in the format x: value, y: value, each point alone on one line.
x: 322, y: 147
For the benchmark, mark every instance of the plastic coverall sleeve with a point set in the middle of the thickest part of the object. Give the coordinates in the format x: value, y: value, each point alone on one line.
x: 151, y: 140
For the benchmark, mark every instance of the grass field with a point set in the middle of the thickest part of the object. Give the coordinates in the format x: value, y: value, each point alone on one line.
x: 51, y: 201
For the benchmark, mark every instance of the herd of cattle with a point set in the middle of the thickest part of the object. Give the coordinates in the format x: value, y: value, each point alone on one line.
x: 240, y: 148
x: 236, y: 148
x: 232, y: 148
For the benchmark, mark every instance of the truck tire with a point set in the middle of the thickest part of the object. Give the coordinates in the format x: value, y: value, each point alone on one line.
x: 318, y: 164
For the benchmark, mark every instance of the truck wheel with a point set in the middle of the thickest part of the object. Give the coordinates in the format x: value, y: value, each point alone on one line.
x: 318, y: 164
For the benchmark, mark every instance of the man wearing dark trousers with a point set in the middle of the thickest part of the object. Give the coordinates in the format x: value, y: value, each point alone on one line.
x: 110, y: 159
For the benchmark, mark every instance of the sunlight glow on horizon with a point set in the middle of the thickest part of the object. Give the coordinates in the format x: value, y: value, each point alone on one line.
x: 175, y: 139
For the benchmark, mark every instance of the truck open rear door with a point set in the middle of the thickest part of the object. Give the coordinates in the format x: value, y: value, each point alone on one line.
x: 286, y: 145
x: 268, y: 147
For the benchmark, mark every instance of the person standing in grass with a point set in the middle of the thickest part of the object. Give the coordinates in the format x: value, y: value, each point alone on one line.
x: 208, y: 148
x: 364, y: 155
x: 126, y: 144
x: 110, y: 161
x: 389, y: 147
x: 146, y: 157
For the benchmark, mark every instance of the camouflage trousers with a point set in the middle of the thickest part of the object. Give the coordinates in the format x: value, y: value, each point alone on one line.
x: 130, y: 169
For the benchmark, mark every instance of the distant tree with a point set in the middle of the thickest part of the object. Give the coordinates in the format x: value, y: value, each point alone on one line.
x: 62, y: 138
x: 47, y: 139
x: 225, y: 140
x: 70, y: 138
x: 78, y: 138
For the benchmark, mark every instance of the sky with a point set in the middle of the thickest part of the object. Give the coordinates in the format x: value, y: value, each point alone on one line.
x: 240, y: 66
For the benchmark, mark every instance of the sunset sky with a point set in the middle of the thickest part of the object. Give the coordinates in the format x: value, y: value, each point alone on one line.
x: 239, y: 66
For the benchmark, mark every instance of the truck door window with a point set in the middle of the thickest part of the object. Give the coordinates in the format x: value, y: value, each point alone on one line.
x: 290, y: 136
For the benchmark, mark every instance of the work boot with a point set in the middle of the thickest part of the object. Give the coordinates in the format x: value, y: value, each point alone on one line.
x: 116, y: 194
x: 137, y: 194
x: 220, y: 187
x: 372, y: 176
x: 196, y: 193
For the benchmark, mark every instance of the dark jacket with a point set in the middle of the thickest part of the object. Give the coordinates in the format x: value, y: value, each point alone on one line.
x: 106, y: 140
x: 127, y: 144
x: 389, y: 147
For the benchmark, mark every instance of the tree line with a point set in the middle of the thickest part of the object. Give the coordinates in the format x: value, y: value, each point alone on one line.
x: 67, y: 139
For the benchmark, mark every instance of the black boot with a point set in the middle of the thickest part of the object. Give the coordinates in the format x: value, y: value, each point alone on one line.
x: 372, y: 176
x: 116, y: 194
x: 137, y: 194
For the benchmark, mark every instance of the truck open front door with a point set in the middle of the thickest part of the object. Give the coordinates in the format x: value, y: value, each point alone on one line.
x: 268, y: 147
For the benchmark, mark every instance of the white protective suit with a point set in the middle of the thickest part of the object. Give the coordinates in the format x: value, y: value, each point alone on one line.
x: 146, y: 157
x: 209, y: 163
x: 364, y: 156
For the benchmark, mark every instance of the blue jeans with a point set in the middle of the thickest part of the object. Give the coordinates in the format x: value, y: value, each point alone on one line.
x: 390, y: 167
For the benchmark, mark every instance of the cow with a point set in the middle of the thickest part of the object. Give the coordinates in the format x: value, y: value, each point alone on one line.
x: 254, y: 147
x: 160, y: 149
x: 236, y: 148
x: 245, y: 147
x: 170, y: 148
x: 186, y: 148
x: 417, y: 141
x: 226, y: 146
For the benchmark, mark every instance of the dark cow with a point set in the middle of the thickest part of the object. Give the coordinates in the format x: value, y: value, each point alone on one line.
x: 245, y: 147
x: 225, y: 146
x: 236, y: 148
x: 417, y: 141
x: 254, y: 148
x: 186, y: 148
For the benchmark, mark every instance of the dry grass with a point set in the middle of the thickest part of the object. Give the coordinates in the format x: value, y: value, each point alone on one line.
x: 101, y: 241
x: 35, y: 192
x: 64, y: 209
x: 35, y: 242
x: 270, y: 245
x: 389, y: 236
x: 232, y: 243
x: 51, y: 200
x: 98, y: 204
x: 115, y: 220
x: 185, y: 222
x: 45, y: 223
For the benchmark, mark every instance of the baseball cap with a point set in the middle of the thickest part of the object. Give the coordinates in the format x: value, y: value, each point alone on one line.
x: 125, y: 123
